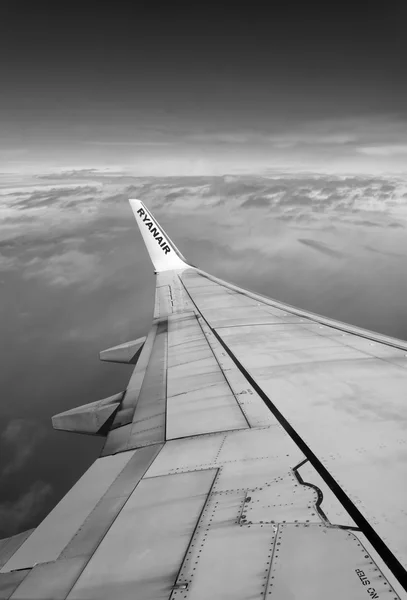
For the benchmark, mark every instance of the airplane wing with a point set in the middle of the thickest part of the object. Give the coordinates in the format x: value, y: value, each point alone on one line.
x: 259, y: 451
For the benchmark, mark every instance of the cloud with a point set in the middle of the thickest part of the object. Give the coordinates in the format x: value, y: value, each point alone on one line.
x: 367, y: 223
x: 58, y: 242
x: 396, y: 225
x: 257, y: 201
x: 6, y: 263
x: 374, y: 135
x: 61, y: 270
x: 18, y: 441
x: 385, y: 150
x: 384, y: 252
x: 243, y: 228
x: 124, y: 143
x: 86, y: 261
x: 321, y: 247
x: 50, y: 195
x: 225, y: 137
x: 312, y: 138
x: 19, y: 514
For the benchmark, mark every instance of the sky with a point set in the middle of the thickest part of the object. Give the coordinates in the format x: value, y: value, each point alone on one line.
x: 204, y: 88
x: 270, y: 144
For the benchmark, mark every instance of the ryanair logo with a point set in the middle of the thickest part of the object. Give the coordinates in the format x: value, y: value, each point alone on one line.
x: 156, y: 233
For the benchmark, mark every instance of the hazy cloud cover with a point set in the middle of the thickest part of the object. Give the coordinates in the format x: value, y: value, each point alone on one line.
x: 155, y: 143
x: 18, y: 443
x: 18, y: 515
x: 19, y: 440
x: 75, y: 279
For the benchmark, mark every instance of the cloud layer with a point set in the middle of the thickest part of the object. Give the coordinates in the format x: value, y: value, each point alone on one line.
x: 18, y: 441
x: 76, y: 278
x: 20, y: 514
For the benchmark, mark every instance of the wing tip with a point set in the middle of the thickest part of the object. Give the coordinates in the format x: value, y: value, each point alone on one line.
x: 164, y: 255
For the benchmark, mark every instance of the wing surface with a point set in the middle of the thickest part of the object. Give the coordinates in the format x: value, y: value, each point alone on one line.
x: 258, y: 451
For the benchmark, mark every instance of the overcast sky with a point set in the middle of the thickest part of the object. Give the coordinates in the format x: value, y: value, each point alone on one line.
x: 183, y: 87
x: 270, y: 144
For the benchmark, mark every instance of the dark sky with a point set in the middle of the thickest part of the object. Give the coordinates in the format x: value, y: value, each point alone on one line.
x: 124, y: 81
x: 270, y: 139
x: 219, y: 58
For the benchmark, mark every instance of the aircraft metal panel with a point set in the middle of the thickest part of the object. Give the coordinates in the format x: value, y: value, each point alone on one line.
x: 267, y: 339
x: 282, y: 500
x: 252, y: 406
x: 9, y: 582
x: 226, y: 560
x: 218, y: 292
x: 194, y: 367
x: 197, y: 280
x: 360, y: 401
x: 149, y: 416
x: 117, y: 440
x: 50, y: 581
x: 125, y: 412
x: 51, y: 536
x: 378, y: 349
x: 399, y: 362
x: 224, y: 307
x: 163, y: 302
x: 183, y: 329
x: 179, y: 299
x: 250, y: 474
x: 279, y: 312
x: 105, y: 512
x: 375, y: 479
x: 190, y: 383
x: 204, y: 411
x: 307, y: 315
x: 181, y: 354
x: 330, y: 505
x: 318, y: 562
x: 223, y: 303
x: 187, y: 454
x: 231, y: 317
x: 222, y: 298
x: 137, y: 377
x: 381, y: 565
x: 271, y: 443
x: 146, y: 435
x: 94, y: 528
x: 10, y: 545
x: 187, y: 335
x: 143, y: 550
x: 133, y: 472
x: 269, y: 348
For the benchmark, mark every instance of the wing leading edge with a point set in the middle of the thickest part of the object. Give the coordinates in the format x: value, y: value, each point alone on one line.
x: 257, y: 451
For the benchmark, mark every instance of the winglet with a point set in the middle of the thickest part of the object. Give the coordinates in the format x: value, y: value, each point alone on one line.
x: 164, y: 255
